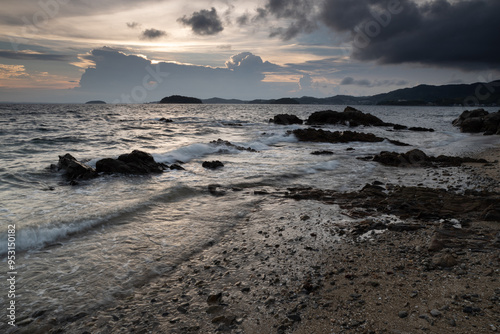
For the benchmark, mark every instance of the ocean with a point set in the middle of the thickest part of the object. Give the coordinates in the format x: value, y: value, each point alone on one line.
x: 84, y: 246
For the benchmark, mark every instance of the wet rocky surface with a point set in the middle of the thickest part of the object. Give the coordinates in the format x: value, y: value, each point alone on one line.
x: 417, y: 157
x: 383, y: 259
x: 325, y: 136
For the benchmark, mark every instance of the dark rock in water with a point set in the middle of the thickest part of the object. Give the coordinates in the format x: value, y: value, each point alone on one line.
x: 75, y: 170
x: 174, y: 99
x: 354, y: 117
x: 165, y: 120
x: 420, y: 129
x: 212, y: 164
x: 137, y: 162
x: 110, y: 166
x: 286, y: 119
x: 419, y: 158
x: 176, y: 167
x: 399, y: 127
x: 322, y: 153
x: 413, y: 157
x: 212, y: 189
x: 472, y: 125
x: 491, y: 123
x: 319, y: 135
x: 322, y: 136
x: 219, y: 142
x: 350, y: 116
x: 469, y: 114
x: 479, y: 120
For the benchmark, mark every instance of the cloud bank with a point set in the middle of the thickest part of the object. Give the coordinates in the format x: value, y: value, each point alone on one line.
x: 117, y: 77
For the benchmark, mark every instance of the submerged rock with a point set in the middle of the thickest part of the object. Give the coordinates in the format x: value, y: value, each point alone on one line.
x: 220, y: 142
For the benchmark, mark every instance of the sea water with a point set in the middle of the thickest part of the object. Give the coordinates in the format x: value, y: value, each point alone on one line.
x: 78, y: 247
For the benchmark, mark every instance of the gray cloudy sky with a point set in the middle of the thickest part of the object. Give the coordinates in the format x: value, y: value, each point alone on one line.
x: 140, y: 51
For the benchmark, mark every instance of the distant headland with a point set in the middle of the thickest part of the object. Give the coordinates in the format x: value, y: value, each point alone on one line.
x: 480, y: 93
x: 95, y: 102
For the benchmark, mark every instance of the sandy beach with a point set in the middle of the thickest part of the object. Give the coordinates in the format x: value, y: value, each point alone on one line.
x: 319, y: 265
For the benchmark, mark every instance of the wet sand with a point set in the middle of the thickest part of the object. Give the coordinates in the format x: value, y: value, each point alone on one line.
x: 309, y: 266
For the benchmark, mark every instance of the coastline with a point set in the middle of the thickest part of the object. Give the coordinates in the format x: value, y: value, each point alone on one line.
x: 309, y: 266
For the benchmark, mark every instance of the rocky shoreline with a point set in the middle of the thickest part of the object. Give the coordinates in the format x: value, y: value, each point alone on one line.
x: 383, y: 259
x: 386, y: 258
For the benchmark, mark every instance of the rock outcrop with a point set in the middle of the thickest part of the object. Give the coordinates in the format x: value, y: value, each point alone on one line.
x: 323, y: 136
x: 426, y: 204
x: 354, y: 117
x: 350, y: 116
x: 137, y: 162
x: 479, y: 120
x: 212, y: 164
x: 74, y: 169
x: 286, y: 119
x: 417, y: 158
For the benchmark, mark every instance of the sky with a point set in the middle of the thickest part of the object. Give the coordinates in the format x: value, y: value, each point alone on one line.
x: 133, y: 51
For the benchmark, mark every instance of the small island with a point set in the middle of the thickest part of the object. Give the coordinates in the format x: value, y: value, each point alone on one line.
x: 181, y: 99
x: 95, y: 102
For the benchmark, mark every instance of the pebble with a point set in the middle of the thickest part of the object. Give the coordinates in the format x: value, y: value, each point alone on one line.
x: 214, y: 299
x: 214, y: 309
x: 435, y: 313
x: 402, y: 314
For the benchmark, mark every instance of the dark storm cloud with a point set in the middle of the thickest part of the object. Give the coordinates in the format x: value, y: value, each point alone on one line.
x: 204, y: 22
x: 152, y: 34
x: 247, y: 18
x: 24, y: 55
x: 461, y: 34
x: 299, y: 12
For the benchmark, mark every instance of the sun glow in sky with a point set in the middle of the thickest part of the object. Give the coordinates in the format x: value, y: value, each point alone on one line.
x: 76, y: 50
